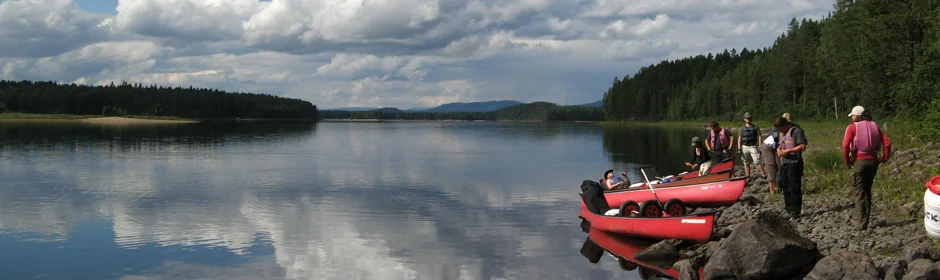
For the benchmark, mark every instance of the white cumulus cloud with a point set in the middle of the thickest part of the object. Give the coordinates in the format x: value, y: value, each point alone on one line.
x: 402, y: 53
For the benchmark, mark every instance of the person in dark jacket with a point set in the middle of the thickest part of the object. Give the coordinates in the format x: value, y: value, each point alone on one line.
x: 700, y: 154
x: 748, y: 138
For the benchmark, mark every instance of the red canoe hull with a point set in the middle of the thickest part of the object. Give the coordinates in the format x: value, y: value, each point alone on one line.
x: 625, y: 248
x: 714, y: 194
x: 721, y: 167
x: 696, y: 228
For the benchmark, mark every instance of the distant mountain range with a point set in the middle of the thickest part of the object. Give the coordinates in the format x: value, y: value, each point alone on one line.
x: 484, y: 106
x: 599, y: 103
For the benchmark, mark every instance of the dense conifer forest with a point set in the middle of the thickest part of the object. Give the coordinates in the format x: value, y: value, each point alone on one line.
x: 136, y: 99
x: 883, y: 55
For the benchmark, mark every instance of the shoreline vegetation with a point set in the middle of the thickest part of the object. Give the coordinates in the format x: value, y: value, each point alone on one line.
x: 124, y: 119
x: 27, y: 99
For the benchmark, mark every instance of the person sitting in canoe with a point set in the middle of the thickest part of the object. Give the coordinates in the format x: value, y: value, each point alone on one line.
x: 613, y: 182
x: 700, y: 153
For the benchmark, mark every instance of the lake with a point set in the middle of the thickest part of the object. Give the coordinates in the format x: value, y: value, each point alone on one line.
x: 299, y: 200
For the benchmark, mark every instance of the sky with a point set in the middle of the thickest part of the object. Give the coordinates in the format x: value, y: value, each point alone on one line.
x: 379, y: 53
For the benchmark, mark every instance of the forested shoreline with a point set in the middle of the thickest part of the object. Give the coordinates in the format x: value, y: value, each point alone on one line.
x: 33, y: 97
x: 535, y: 111
x: 884, y: 55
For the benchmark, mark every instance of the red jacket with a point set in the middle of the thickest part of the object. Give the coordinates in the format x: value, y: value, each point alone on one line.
x: 850, y: 136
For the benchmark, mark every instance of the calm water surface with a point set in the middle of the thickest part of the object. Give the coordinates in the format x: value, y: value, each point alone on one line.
x: 329, y: 200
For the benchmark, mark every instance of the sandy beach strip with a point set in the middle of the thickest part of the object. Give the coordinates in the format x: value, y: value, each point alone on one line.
x: 120, y: 120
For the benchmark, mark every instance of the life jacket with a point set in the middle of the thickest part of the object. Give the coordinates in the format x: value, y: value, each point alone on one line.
x: 725, y: 139
x: 749, y: 134
x: 867, y: 138
x: 788, y: 142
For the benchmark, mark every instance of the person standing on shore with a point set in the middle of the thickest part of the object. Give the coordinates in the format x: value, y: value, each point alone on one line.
x: 860, y: 148
x: 748, y: 137
x: 792, y: 144
x: 719, y: 140
x: 770, y: 163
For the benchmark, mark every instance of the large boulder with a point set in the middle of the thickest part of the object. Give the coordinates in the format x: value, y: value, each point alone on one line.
x: 922, y: 269
x: 845, y: 265
x: 766, y: 247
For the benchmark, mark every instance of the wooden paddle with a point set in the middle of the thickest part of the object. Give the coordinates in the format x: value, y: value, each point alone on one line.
x: 651, y: 189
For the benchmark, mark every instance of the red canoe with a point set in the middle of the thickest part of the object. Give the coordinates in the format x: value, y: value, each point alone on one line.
x: 713, y: 194
x: 625, y: 248
x: 721, y: 167
x: 696, y: 228
x: 714, y: 177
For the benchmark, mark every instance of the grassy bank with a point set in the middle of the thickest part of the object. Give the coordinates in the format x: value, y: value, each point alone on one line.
x: 898, y: 182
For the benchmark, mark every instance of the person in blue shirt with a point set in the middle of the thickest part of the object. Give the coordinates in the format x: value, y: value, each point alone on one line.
x: 613, y: 182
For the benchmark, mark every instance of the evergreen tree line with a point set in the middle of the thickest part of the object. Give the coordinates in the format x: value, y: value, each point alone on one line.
x: 883, y: 55
x: 135, y: 99
x: 536, y: 111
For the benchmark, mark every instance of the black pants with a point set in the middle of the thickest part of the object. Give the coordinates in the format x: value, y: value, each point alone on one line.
x: 791, y: 182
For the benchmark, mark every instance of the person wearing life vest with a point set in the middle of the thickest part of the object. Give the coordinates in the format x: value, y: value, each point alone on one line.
x: 790, y: 149
x: 719, y: 141
x: 748, y: 138
x: 860, y: 148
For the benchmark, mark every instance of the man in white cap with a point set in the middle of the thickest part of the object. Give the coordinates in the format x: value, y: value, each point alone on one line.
x: 860, y: 148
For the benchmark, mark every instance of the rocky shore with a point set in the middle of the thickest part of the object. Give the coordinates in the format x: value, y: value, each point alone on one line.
x: 756, y: 239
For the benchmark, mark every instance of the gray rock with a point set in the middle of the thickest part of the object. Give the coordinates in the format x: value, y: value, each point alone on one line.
x: 894, y: 272
x: 750, y: 200
x: 919, y: 251
x: 723, y: 233
x: 844, y: 265
x: 686, y: 270
x: 663, y: 251
x: 766, y: 247
x: 922, y: 269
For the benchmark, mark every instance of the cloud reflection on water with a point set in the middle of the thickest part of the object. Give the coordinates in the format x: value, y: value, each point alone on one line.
x: 396, y: 201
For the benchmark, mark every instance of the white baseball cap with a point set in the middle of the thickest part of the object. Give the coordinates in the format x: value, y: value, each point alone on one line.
x: 857, y: 111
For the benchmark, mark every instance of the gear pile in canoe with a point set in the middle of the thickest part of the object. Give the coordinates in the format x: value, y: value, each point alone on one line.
x: 660, y: 211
